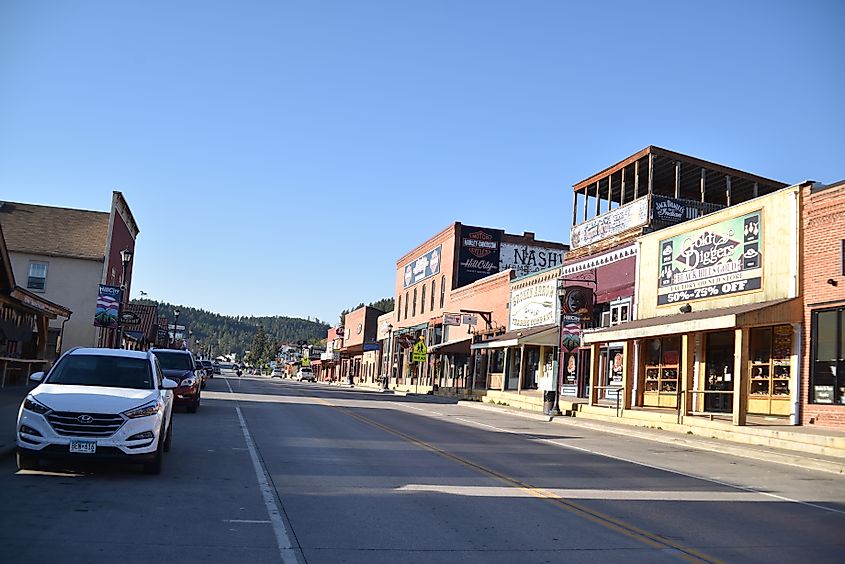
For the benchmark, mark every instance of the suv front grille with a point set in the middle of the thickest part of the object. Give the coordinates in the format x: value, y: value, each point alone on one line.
x: 68, y: 423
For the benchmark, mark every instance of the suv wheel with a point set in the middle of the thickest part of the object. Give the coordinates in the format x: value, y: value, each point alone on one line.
x: 26, y: 461
x: 154, y: 467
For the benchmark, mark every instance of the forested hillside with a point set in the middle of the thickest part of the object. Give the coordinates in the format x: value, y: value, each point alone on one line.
x: 217, y: 334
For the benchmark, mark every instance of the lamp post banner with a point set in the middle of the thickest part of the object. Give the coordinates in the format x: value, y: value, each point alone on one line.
x: 107, y: 311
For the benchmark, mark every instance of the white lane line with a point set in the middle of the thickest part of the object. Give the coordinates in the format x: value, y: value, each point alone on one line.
x: 638, y: 463
x: 286, y: 549
x: 258, y: 521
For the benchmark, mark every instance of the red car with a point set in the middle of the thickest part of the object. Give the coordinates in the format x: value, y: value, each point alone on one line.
x: 180, y: 366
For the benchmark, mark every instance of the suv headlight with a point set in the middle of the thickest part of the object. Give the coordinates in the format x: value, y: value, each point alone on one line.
x: 32, y: 405
x: 145, y: 410
x: 188, y: 382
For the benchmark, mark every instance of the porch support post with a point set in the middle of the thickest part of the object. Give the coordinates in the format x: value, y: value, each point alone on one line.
x: 622, y: 196
x: 521, y: 369
x: 595, y: 350
x: 702, y: 182
x: 575, y: 208
x: 43, y: 323
x: 636, y: 180
x: 505, y: 371
x: 728, y: 189
x: 609, y: 190
x: 677, y: 179
x: 598, y: 198
x: 687, y: 371
x: 627, y: 373
x: 756, y: 189
x: 740, y: 375
x: 650, y: 174
x: 586, y: 201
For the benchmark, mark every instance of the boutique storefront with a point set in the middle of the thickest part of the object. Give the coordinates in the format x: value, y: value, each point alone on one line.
x: 719, y: 318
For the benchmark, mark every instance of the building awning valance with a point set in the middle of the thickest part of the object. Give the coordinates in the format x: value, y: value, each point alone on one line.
x: 748, y: 315
x: 543, y: 335
x: 458, y: 346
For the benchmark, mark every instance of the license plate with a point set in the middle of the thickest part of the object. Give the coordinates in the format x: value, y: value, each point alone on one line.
x: 84, y: 447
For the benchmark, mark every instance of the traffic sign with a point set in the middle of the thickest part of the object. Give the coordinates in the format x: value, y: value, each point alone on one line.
x: 420, y: 351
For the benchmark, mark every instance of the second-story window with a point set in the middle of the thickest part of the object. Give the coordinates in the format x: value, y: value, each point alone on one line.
x: 442, y: 291
x: 406, y: 305
x: 37, y: 276
x: 414, y: 309
x: 399, y: 309
x: 432, y: 294
x: 422, y: 300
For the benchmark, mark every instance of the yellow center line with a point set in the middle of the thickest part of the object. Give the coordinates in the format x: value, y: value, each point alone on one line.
x: 612, y: 523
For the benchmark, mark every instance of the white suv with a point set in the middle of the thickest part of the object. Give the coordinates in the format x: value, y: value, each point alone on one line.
x: 111, y: 404
x: 305, y: 373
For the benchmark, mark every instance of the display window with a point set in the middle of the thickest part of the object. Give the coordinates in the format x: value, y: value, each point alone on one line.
x: 770, y: 370
x: 827, y: 378
x: 662, y: 357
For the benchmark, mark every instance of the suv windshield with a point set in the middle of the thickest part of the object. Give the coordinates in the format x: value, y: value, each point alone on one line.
x: 100, y: 370
x: 174, y: 360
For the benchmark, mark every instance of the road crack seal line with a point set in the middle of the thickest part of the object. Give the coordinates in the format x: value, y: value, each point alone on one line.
x: 631, y: 531
x: 269, y: 493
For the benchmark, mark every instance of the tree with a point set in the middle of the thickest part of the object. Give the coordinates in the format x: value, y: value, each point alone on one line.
x: 258, y: 348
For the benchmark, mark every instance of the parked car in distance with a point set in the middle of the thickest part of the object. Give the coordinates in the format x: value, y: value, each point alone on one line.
x: 179, y: 366
x: 278, y: 372
x: 215, y: 366
x: 97, y: 403
x: 305, y: 373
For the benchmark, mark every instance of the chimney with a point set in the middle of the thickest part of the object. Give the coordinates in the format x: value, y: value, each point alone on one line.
x: 528, y: 235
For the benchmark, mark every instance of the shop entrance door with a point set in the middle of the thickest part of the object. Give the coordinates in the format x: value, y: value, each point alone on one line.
x: 718, y: 373
x: 584, y: 372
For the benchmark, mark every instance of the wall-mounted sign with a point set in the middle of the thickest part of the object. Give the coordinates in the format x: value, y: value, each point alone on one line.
x: 479, y: 253
x: 721, y: 259
x: 578, y: 301
x: 469, y: 319
x: 130, y: 318
x: 528, y: 259
x: 371, y: 347
x: 451, y: 319
x: 570, y: 332
x: 108, y: 306
x: 534, y: 305
x: 422, y: 268
x: 610, y: 223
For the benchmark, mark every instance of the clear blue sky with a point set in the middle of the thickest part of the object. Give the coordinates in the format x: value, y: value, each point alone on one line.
x: 281, y: 156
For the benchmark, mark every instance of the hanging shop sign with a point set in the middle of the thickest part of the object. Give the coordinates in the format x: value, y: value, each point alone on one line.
x: 534, y: 305
x: 528, y: 259
x: 610, y: 223
x: 578, y: 301
x: 469, y: 319
x: 479, y: 253
x: 424, y: 267
x: 108, y: 306
x: 570, y: 332
x: 451, y: 319
x: 718, y: 260
x: 130, y: 318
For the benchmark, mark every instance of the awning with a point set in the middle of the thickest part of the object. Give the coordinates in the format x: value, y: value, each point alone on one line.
x: 765, y: 313
x: 543, y: 335
x: 458, y: 346
x: 136, y: 336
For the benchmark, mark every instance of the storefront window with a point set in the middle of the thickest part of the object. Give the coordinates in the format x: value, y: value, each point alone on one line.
x: 497, y: 361
x: 661, y: 371
x: 828, y: 363
x: 771, y: 348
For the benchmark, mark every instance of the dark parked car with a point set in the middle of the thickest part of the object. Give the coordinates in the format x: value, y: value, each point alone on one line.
x: 179, y: 366
x: 216, y: 367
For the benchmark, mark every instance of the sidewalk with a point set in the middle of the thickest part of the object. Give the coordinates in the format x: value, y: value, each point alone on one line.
x: 10, y: 401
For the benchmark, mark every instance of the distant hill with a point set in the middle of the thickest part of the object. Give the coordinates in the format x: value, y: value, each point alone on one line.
x: 225, y: 334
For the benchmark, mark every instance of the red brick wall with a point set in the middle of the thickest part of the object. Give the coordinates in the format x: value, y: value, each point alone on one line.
x: 823, y: 222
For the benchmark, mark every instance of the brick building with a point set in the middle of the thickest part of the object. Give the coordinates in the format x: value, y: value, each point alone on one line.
x: 823, y: 279
x: 427, y: 278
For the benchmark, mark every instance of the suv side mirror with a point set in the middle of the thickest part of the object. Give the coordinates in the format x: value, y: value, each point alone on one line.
x: 36, y: 376
x: 168, y: 384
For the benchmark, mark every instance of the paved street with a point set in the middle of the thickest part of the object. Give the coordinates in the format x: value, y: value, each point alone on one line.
x: 281, y: 471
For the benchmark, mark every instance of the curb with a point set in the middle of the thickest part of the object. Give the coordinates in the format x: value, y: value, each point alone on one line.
x: 745, y: 451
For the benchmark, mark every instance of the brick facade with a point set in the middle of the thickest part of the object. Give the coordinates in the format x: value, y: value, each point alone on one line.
x: 823, y: 282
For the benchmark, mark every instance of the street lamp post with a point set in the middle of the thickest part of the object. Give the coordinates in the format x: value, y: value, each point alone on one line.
x: 176, y: 313
x: 125, y: 259
x: 389, y: 371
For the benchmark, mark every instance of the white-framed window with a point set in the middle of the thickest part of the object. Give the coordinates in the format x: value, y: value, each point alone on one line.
x: 36, y: 278
x: 620, y: 311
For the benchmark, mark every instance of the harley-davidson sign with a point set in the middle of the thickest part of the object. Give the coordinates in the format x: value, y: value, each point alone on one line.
x: 721, y: 259
x: 479, y: 253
